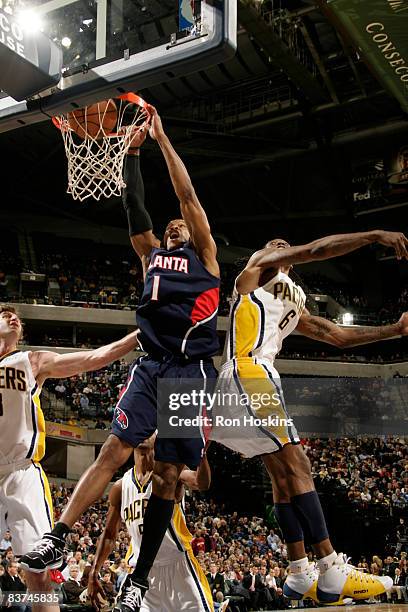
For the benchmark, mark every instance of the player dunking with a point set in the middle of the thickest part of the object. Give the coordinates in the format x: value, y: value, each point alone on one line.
x: 177, y: 581
x: 266, y: 307
x: 177, y: 323
x: 25, y: 495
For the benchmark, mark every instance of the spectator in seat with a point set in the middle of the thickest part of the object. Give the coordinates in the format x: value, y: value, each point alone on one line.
x: 100, y: 424
x: 252, y: 582
x: 398, y: 587
x: 198, y: 542
x: 72, y: 586
x: 108, y: 587
x: 8, y: 557
x: 215, y: 581
x: 11, y: 582
x: 6, y: 541
x: 60, y: 390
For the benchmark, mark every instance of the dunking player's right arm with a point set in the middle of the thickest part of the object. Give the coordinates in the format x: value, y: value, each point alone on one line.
x: 192, y: 212
x: 320, y: 329
x: 106, y: 544
x: 133, y: 198
x: 324, y: 248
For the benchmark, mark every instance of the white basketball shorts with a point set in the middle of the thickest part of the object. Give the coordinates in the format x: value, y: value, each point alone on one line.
x: 249, y: 415
x: 25, y: 507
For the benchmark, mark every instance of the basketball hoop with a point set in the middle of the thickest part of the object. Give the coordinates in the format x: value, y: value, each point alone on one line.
x: 96, y: 157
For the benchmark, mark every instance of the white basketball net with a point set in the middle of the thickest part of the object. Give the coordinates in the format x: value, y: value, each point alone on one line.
x: 95, y: 165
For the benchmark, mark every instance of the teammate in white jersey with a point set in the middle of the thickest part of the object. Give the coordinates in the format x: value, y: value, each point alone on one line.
x: 176, y: 583
x: 267, y: 306
x: 25, y: 498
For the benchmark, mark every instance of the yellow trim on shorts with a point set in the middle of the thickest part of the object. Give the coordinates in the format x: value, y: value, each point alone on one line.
x: 255, y: 381
x: 180, y: 527
x: 246, y: 326
x: 47, y: 493
x: 129, y: 552
x: 39, y: 450
x: 202, y: 579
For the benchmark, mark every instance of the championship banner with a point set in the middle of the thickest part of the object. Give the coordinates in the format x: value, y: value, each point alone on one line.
x: 70, y: 432
x: 379, y: 30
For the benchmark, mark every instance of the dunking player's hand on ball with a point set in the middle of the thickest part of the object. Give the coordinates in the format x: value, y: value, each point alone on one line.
x: 396, y: 240
x: 156, y: 128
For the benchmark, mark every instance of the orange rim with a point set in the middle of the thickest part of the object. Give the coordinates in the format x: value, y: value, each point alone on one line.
x: 128, y: 97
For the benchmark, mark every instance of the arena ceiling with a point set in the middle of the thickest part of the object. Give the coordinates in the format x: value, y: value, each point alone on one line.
x: 269, y: 137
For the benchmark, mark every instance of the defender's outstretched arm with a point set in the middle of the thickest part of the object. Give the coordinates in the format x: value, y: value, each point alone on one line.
x: 47, y: 364
x: 192, y: 212
x: 320, y: 329
x: 324, y: 248
x: 106, y: 543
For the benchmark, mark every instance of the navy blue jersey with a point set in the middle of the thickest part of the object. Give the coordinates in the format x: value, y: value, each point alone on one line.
x: 177, y: 314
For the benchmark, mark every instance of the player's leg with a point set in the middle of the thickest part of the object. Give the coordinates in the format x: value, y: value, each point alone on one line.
x: 196, y: 593
x: 337, y: 579
x: 171, y: 456
x: 30, y: 513
x: 93, y: 482
x: 48, y: 552
x: 292, y: 462
x: 302, y: 579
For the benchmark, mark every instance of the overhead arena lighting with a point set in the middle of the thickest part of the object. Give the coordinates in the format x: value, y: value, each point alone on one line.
x: 348, y: 318
x: 29, y: 21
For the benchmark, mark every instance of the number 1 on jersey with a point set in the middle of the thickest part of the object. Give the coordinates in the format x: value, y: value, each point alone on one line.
x: 155, y: 290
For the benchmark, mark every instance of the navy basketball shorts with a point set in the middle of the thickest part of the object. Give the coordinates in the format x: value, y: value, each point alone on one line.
x: 135, y: 415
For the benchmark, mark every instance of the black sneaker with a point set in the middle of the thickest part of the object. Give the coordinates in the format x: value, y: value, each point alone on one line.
x: 47, y: 553
x: 130, y: 596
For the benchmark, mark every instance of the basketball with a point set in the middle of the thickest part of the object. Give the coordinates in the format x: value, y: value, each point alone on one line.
x: 94, y: 121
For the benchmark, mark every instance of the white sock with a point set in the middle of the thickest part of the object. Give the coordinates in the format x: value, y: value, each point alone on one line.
x: 325, y: 563
x: 299, y: 566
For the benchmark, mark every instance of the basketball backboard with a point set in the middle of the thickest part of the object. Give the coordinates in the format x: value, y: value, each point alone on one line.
x: 113, y: 46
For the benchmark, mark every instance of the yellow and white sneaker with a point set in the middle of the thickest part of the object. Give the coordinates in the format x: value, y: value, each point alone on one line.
x: 302, y: 585
x: 343, y: 580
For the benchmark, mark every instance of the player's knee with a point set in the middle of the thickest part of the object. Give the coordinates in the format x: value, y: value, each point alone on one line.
x: 114, y: 453
x: 165, y: 479
x: 297, y: 464
x: 38, y: 582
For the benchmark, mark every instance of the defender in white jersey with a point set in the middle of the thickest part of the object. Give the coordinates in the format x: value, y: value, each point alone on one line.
x: 25, y: 498
x: 267, y: 305
x: 176, y: 582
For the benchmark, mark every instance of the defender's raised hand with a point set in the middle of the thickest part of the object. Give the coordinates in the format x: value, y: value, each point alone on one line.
x: 403, y: 324
x: 396, y: 240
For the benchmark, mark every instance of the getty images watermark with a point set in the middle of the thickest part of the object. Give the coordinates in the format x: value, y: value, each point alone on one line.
x: 317, y: 407
x: 189, y: 410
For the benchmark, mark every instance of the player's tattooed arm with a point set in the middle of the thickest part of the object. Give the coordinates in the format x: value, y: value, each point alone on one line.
x: 320, y: 329
x: 191, y: 210
x: 47, y: 364
x: 318, y: 250
x: 106, y: 543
